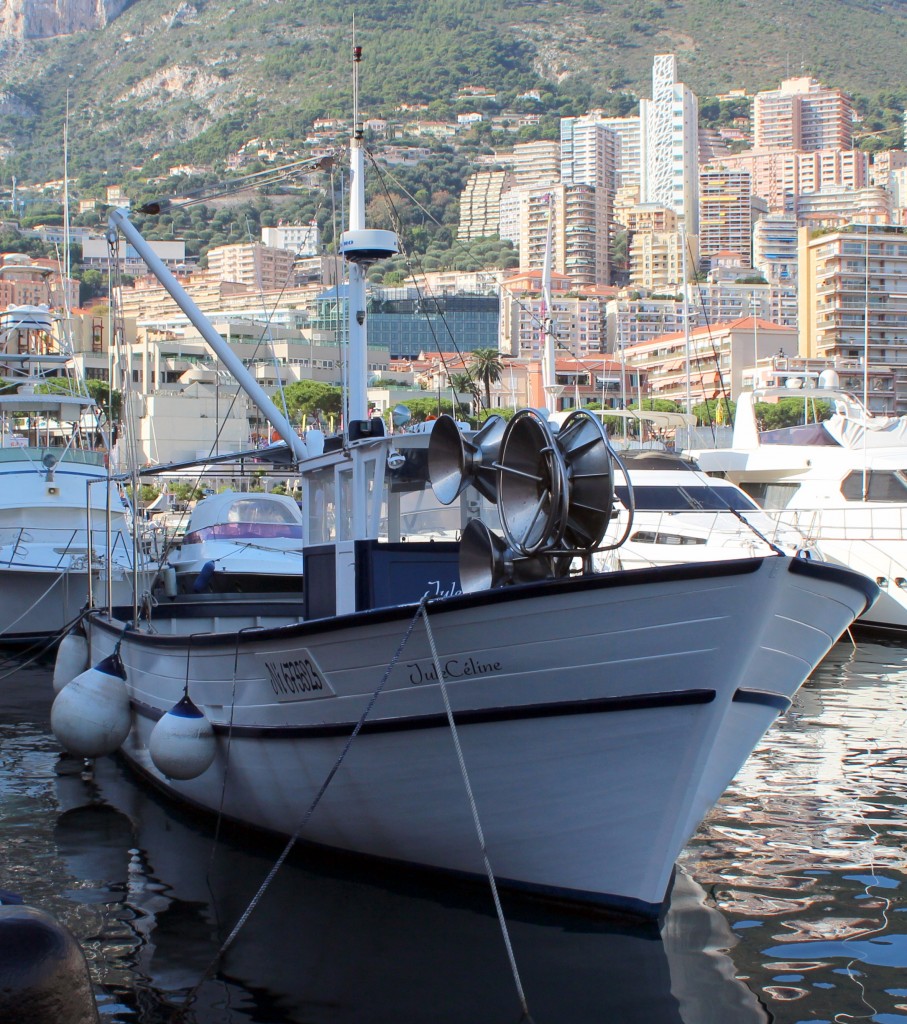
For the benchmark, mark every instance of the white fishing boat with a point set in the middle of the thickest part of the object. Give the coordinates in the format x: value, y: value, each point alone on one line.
x: 842, y: 482
x: 240, y: 542
x: 65, y: 528
x: 484, y: 705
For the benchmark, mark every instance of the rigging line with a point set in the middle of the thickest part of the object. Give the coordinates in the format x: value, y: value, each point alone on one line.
x: 535, y: 319
x: 291, y: 842
x: 725, y: 397
x: 442, y: 685
x: 410, y: 257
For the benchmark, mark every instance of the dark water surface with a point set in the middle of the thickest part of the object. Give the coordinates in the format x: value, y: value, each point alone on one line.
x: 789, y: 906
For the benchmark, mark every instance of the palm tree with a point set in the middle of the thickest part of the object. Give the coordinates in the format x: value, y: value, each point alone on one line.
x: 485, y: 365
x: 464, y: 384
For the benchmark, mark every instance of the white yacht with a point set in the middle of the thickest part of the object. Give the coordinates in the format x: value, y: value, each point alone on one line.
x: 240, y: 542
x: 66, y: 530
x: 842, y: 482
x: 671, y: 512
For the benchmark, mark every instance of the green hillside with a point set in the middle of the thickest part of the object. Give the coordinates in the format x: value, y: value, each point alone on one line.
x: 194, y: 80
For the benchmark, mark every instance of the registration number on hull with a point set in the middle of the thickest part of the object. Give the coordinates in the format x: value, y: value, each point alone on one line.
x: 297, y: 678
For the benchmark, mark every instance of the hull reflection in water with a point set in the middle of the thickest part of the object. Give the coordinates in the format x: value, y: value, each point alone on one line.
x: 804, y: 854
x: 322, y: 946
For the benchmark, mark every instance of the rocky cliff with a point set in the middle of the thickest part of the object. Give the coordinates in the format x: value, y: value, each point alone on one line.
x: 37, y: 19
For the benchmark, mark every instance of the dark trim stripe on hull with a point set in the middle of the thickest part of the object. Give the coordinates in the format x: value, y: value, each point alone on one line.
x: 479, y: 716
x: 764, y: 698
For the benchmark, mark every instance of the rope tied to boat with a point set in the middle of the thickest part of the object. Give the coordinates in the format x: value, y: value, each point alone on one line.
x: 291, y: 842
x: 442, y: 685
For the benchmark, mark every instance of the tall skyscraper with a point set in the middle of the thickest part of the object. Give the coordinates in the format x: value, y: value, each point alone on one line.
x: 669, y: 144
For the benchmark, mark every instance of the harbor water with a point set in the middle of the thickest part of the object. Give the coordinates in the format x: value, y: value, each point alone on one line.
x: 790, y: 903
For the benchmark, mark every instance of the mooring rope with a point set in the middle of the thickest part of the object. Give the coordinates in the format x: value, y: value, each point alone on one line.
x: 291, y: 842
x: 475, y: 815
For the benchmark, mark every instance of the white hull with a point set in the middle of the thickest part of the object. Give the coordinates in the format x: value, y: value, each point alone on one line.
x: 600, y: 718
x: 36, y: 604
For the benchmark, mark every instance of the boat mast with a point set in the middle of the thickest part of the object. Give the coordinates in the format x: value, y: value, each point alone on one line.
x: 360, y: 247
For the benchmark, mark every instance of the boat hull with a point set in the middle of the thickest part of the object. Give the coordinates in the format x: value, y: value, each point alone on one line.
x: 599, y: 719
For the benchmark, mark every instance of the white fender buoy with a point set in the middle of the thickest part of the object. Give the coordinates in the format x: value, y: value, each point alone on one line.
x: 182, y: 743
x: 90, y: 716
x: 168, y: 576
x: 71, y: 660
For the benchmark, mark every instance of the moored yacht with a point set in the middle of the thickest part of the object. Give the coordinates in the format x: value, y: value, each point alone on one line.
x: 66, y: 536
x: 841, y: 481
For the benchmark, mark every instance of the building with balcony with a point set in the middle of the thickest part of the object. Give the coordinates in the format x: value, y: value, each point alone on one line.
x: 265, y: 267
x: 579, y: 233
x: 712, y: 363
x: 780, y: 177
x: 802, y: 114
x: 853, y: 297
x: 480, y: 204
x: 725, y: 212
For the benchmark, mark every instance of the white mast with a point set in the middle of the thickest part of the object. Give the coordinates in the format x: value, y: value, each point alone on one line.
x: 359, y: 247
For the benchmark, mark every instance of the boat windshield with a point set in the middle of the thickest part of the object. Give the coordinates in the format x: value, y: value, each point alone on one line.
x: 663, y: 498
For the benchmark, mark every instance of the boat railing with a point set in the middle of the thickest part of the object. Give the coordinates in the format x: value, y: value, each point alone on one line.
x: 57, y: 549
x: 865, y: 523
x: 16, y: 453
x: 716, y: 528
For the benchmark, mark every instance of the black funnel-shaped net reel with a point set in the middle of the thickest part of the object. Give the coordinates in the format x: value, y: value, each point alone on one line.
x: 554, y: 491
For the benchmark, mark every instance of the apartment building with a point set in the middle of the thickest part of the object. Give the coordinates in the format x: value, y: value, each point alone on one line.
x: 718, y: 356
x: 259, y: 266
x: 802, y: 114
x: 302, y: 239
x: 725, y: 212
x: 780, y: 177
x: 578, y: 324
x: 32, y: 281
x: 579, y: 235
x: 840, y: 205
x: 853, y: 297
x: 480, y: 204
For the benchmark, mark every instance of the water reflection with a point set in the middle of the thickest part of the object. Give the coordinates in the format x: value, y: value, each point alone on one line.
x: 805, y: 854
x: 325, y: 945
